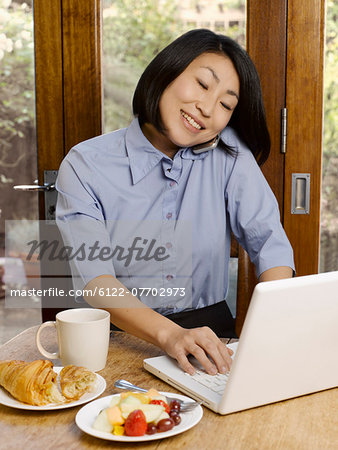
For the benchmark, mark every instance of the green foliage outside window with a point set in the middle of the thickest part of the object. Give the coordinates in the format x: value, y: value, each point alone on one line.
x: 133, y: 33
x: 17, y: 100
x: 331, y: 84
x: 329, y: 201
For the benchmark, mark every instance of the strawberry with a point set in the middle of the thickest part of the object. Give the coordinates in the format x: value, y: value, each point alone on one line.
x: 161, y: 402
x: 135, y: 424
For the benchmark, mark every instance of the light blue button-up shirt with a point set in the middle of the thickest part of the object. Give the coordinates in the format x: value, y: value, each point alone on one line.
x: 162, y: 226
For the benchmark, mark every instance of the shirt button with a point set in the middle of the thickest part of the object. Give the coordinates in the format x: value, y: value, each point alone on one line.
x: 172, y: 183
x: 168, y: 244
x: 169, y: 216
x: 169, y: 277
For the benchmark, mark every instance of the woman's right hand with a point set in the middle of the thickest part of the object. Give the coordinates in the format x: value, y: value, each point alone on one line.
x: 203, y: 344
x: 131, y: 315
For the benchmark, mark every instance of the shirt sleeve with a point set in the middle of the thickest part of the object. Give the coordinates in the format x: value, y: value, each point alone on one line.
x: 254, y: 214
x: 81, y: 223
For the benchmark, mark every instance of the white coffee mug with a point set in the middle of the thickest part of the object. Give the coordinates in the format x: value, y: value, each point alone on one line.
x: 83, y: 337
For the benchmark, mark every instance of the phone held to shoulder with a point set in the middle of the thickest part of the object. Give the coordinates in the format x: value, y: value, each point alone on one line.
x: 204, y: 147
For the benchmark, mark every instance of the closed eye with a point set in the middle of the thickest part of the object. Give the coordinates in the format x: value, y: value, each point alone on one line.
x: 204, y: 86
x: 226, y: 106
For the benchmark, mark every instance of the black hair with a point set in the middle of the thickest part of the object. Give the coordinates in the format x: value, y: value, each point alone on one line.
x: 248, y: 118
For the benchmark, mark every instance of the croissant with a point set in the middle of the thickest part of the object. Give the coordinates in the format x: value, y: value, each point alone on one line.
x: 31, y: 382
x: 76, y: 381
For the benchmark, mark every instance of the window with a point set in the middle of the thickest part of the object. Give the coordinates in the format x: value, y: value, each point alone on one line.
x: 219, y: 26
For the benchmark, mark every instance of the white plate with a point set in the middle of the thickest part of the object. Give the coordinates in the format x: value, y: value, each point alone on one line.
x: 86, y: 416
x: 7, y: 400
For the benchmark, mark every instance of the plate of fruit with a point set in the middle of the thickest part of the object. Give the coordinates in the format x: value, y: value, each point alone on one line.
x: 134, y: 417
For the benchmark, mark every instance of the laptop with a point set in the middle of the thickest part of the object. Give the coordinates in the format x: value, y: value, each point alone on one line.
x: 288, y: 347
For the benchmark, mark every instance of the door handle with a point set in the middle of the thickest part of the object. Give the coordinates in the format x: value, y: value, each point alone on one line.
x: 50, y: 193
x: 300, y: 193
x: 35, y: 187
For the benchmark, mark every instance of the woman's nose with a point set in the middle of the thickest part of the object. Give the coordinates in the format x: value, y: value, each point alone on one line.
x: 206, y: 107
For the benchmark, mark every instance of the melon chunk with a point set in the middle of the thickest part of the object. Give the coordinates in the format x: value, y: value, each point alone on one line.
x: 152, y: 412
x: 102, y: 423
x: 114, y: 415
x: 115, y: 400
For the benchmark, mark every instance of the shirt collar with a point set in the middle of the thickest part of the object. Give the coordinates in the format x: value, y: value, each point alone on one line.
x: 143, y: 156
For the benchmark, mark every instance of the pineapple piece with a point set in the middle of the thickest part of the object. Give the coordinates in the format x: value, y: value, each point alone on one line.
x: 153, y: 394
x: 139, y: 395
x: 118, y: 430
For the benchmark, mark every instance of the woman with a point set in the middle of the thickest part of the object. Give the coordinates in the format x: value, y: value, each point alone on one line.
x: 155, y: 202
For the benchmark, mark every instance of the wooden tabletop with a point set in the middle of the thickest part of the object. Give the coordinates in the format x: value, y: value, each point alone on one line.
x: 309, y: 422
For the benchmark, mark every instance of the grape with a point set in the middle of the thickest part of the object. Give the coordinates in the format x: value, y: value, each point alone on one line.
x: 175, y: 405
x: 165, y: 425
x: 151, y: 429
x: 175, y: 416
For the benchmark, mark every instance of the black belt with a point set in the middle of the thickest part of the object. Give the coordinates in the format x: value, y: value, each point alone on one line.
x: 217, y: 317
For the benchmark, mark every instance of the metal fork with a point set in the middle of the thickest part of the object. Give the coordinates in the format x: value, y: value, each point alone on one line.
x: 185, y: 406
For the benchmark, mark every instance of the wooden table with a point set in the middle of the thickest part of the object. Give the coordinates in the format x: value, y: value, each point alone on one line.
x: 309, y: 422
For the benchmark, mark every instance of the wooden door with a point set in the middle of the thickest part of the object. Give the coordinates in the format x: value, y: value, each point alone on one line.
x: 304, y: 101
x: 286, y: 42
x: 68, y: 96
x: 266, y: 44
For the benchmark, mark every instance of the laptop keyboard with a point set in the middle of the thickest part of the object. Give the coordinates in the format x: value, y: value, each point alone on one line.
x: 214, y: 382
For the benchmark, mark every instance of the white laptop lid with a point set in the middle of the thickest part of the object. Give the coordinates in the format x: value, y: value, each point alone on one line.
x: 289, y: 343
x: 288, y: 346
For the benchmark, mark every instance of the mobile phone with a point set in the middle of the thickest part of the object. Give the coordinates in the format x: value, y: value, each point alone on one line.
x: 200, y: 148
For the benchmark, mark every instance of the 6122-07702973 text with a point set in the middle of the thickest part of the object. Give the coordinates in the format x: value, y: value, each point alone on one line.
x: 102, y: 292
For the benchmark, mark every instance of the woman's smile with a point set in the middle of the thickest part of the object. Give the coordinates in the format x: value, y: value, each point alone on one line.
x: 191, y: 122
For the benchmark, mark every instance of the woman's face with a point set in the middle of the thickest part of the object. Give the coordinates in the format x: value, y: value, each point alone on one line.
x: 199, y: 103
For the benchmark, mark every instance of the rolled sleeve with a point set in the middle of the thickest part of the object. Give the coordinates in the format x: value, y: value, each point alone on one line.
x: 254, y: 214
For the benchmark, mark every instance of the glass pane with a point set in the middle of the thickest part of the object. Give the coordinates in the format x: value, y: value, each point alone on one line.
x: 18, y: 157
x: 329, y: 200
x: 134, y: 32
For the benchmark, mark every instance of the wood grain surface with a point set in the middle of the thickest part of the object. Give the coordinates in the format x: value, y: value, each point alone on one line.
x: 309, y: 422
x: 304, y: 100
x: 266, y: 45
x: 81, y: 42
